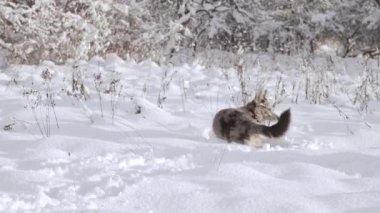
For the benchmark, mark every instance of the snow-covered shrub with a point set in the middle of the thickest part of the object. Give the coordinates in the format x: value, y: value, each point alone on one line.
x: 42, y: 104
x: 3, y: 60
x: 58, y: 30
x: 80, y: 29
x: 45, y: 31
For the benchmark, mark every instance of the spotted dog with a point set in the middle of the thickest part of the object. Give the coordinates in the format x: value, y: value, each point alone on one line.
x: 245, y: 125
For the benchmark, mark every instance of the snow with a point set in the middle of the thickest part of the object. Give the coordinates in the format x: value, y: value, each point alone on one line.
x: 133, y: 156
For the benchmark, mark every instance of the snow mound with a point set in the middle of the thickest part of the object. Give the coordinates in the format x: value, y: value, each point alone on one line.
x: 138, y: 138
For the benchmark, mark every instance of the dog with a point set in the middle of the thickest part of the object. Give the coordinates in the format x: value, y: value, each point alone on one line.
x: 245, y: 125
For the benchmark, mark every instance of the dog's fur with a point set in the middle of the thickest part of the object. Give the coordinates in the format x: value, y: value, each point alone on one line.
x: 245, y: 124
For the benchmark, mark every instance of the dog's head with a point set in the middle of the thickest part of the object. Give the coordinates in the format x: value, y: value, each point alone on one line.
x: 259, y: 108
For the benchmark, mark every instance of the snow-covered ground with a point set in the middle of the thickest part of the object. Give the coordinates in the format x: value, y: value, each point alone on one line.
x: 110, y: 148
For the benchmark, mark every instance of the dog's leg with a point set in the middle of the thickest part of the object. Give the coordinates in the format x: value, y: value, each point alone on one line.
x: 254, y: 141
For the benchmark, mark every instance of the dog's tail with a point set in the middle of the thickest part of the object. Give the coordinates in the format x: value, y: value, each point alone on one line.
x: 280, y: 127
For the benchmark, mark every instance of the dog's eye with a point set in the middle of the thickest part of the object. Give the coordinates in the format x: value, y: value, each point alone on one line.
x: 252, y: 104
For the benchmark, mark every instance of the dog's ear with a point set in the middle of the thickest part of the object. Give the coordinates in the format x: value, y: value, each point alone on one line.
x: 264, y: 99
x: 260, y: 97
